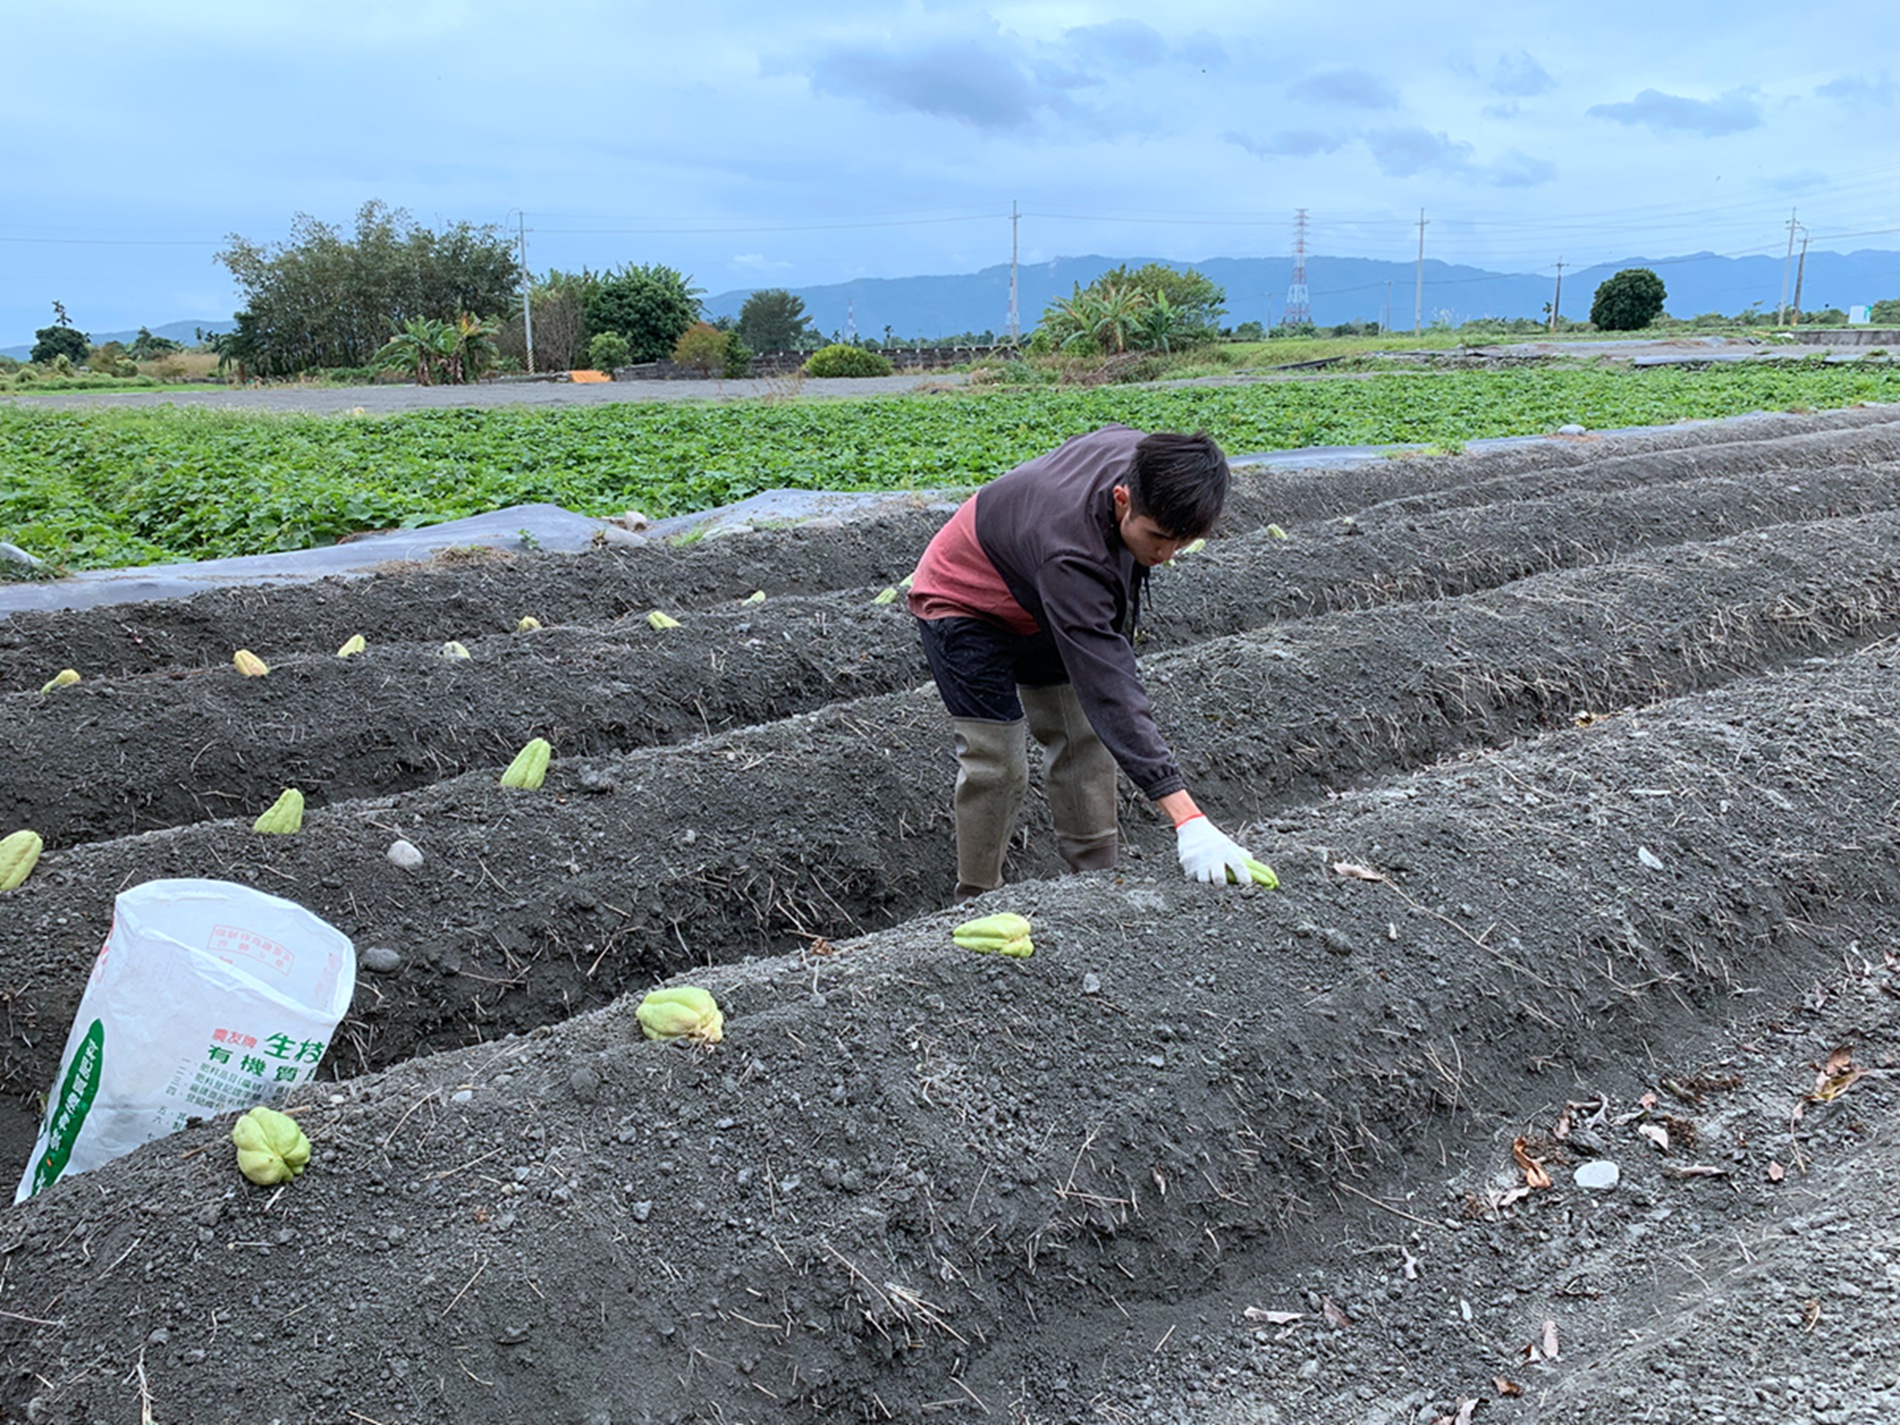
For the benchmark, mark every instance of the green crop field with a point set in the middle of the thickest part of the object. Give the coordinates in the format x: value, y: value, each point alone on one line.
x: 111, y: 487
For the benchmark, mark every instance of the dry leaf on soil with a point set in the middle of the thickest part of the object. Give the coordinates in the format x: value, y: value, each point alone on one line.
x: 1507, y: 1387
x: 1273, y: 1318
x: 1693, y: 1170
x: 1466, y: 1405
x: 1334, y: 1316
x: 1534, y: 1174
x: 1353, y: 871
x: 1840, y: 1074
x: 1656, y: 1134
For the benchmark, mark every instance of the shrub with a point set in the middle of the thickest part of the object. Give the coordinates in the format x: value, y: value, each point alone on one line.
x: 738, y: 357
x: 702, y: 347
x: 60, y: 341
x: 842, y: 360
x: 607, y: 351
x: 1629, y: 301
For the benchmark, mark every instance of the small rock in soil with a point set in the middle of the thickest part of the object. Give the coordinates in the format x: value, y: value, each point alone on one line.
x: 1598, y: 1173
x: 381, y: 960
x: 403, y: 854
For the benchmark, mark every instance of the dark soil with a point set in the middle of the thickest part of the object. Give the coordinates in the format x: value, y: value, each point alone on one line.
x: 1610, y: 735
x: 399, y: 716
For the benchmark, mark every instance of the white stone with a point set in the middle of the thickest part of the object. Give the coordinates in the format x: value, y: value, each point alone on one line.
x: 1599, y: 1173
x: 402, y: 854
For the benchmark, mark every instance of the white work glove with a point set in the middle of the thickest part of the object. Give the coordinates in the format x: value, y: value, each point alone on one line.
x: 1209, y: 854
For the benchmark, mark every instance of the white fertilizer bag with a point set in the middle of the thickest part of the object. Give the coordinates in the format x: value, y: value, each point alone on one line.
x: 207, y: 997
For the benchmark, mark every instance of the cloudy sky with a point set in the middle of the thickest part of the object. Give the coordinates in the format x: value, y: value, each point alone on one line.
x: 749, y: 146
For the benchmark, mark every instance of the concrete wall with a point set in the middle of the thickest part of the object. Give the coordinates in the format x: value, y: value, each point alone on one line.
x: 783, y: 363
x: 1888, y: 337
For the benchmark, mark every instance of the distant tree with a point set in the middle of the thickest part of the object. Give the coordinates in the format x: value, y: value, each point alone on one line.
x: 1885, y: 311
x: 650, y: 306
x: 702, y: 346
x: 146, y: 347
x: 324, y: 299
x: 1152, y: 308
x: 1250, y: 331
x: 1628, y: 302
x: 738, y: 356
x: 559, y: 302
x: 773, y: 319
x: 62, y: 338
x: 1197, y: 300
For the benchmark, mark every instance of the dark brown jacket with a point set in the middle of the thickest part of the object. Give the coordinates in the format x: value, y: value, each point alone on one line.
x: 1049, y: 527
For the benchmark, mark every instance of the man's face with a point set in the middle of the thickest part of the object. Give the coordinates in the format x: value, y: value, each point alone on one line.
x: 1146, y: 540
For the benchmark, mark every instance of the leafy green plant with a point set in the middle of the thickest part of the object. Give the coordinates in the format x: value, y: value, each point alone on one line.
x: 421, y: 345
x: 608, y: 351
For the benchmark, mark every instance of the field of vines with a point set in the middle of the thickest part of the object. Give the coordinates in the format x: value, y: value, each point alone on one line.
x: 109, y: 488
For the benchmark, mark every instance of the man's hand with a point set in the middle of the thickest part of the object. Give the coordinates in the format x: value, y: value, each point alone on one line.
x: 1208, y: 854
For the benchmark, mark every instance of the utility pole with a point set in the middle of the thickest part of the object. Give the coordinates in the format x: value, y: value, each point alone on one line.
x: 1781, y: 312
x: 1800, y: 266
x: 1558, y: 300
x: 1385, y: 327
x: 527, y: 288
x: 1014, y: 217
x: 1418, y: 296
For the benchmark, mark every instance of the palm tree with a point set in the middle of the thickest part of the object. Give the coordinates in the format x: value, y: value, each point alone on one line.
x: 472, y: 349
x: 421, y: 343
x: 1117, y: 315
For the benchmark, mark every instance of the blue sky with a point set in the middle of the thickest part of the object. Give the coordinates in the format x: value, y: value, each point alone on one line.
x: 749, y: 145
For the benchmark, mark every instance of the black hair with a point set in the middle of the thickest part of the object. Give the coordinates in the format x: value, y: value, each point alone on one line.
x: 1179, y: 481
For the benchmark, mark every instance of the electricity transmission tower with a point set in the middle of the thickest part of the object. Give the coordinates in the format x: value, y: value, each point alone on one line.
x: 1299, y: 312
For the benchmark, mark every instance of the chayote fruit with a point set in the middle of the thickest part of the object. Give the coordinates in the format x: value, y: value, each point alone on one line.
x: 1002, y: 934
x: 686, y: 1012
x: 271, y: 1147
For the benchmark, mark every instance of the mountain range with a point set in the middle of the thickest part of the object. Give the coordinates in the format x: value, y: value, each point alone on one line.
x: 1340, y: 289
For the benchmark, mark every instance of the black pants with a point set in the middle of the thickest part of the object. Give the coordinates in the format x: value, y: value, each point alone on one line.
x: 978, y: 666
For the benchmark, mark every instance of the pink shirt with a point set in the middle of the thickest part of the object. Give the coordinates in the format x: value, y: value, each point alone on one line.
x: 955, y: 579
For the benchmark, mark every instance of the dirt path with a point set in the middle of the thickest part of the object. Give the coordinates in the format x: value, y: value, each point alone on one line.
x: 395, y: 399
